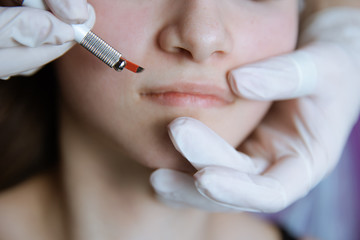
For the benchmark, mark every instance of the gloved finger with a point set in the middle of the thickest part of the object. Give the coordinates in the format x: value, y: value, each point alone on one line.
x: 31, y: 58
x: 287, y: 180
x: 177, y: 189
x: 69, y: 11
x: 30, y: 72
x: 282, y: 77
x: 202, y: 147
x: 241, y: 190
x: 90, y: 22
x: 31, y: 27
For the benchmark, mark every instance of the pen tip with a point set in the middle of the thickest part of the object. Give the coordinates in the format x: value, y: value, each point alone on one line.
x: 132, y: 66
x: 139, y: 70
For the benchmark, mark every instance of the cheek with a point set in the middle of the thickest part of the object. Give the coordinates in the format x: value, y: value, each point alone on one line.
x: 237, y: 123
x: 122, y: 25
x: 277, y: 37
x: 265, y: 37
x: 92, y: 92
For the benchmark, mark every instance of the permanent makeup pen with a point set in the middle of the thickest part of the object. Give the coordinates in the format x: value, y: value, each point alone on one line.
x: 89, y: 40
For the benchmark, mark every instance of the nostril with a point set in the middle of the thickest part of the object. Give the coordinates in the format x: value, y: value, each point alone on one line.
x: 184, y: 52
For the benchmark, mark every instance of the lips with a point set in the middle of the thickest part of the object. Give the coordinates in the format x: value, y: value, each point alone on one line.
x: 189, y: 95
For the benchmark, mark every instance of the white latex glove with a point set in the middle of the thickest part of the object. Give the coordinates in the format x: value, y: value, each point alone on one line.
x: 298, y: 142
x: 31, y: 38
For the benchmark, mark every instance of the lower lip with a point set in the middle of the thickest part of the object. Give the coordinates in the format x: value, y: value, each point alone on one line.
x: 186, y: 99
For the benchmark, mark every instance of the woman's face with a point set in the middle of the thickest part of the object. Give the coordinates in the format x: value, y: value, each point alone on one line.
x: 187, y: 48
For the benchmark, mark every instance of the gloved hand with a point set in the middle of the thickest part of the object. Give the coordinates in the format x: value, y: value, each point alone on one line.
x: 298, y: 142
x: 31, y: 38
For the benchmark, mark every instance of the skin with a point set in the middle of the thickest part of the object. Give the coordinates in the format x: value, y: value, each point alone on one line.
x: 113, y: 125
x: 193, y: 45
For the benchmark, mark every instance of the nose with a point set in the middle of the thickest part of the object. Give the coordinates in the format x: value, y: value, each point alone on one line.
x: 197, y: 31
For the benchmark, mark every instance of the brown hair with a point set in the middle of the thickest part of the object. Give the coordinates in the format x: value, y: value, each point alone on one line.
x: 28, y: 139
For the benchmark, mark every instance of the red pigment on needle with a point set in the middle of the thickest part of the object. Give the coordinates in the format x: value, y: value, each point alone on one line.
x: 132, y: 66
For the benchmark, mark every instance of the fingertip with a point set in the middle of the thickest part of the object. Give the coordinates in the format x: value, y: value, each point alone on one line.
x: 181, y: 130
x: 157, y: 178
x: 180, y: 121
x: 166, y: 181
x: 203, y: 147
x: 90, y: 22
x: 233, y: 84
x: 246, y: 83
x: 77, y: 17
x: 207, y: 180
x: 179, y: 127
x: 185, y: 123
x: 70, y: 11
x: 174, y: 130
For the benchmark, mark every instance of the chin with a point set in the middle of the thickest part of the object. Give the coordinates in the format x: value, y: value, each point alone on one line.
x: 159, y: 152
x: 154, y: 149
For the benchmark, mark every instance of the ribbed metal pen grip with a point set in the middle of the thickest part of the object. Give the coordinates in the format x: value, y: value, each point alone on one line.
x: 103, y: 51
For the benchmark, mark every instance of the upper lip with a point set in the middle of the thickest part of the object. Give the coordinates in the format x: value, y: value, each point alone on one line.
x: 192, y: 89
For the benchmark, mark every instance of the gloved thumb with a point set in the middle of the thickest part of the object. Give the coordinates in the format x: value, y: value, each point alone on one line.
x: 282, y: 77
